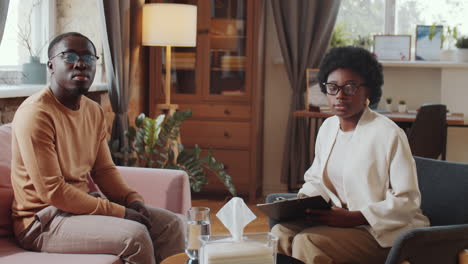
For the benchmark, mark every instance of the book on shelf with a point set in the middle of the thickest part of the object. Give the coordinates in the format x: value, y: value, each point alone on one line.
x: 294, y: 208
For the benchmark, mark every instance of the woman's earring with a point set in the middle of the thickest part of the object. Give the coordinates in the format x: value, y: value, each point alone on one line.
x: 367, y: 101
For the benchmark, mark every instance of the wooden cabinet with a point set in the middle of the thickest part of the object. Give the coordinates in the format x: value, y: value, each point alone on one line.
x: 220, y: 81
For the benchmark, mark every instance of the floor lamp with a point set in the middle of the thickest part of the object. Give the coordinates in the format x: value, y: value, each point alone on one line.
x: 169, y: 25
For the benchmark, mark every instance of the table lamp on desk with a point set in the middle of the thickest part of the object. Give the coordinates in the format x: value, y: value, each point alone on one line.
x: 169, y: 25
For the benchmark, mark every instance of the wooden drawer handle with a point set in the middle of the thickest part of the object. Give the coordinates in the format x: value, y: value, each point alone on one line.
x: 226, y: 134
x: 227, y: 112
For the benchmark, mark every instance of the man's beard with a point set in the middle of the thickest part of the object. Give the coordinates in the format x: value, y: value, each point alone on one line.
x: 79, y: 91
x: 82, y: 91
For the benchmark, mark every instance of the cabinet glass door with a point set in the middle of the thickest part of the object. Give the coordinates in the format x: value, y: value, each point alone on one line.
x: 184, y: 66
x: 227, y: 49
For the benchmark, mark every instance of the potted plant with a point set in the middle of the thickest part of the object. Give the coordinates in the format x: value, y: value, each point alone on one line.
x: 365, y: 42
x: 388, y: 105
x: 402, y: 106
x: 462, y: 51
x: 448, y: 36
x: 339, y: 37
x: 153, y: 144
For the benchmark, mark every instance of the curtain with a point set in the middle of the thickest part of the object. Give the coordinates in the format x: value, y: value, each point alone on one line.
x: 3, y: 16
x: 121, y: 26
x: 304, y: 30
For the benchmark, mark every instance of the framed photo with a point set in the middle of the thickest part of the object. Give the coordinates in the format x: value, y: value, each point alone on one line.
x: 427, y: 45
x: 392, y: 47
x: 314, y: 95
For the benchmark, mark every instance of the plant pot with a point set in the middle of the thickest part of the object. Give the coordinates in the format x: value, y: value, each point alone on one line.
x: 447, y: 55
x: 402, y: 108
x: 388, y: 107
x: 34, y: 72
x: 462, y: 55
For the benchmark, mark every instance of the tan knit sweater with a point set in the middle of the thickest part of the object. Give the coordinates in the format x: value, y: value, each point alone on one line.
x: 53, y: 150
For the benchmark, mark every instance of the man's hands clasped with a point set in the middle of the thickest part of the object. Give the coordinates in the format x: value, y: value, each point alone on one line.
x: 137, y: 211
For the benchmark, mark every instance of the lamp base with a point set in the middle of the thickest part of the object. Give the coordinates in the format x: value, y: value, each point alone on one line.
x: 167, y: 108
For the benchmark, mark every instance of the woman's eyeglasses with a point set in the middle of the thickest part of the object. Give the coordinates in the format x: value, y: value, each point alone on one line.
x: 72, y: 58
x: 348, y: 89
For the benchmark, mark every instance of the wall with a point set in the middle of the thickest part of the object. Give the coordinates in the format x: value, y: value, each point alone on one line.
x: 8, y: 108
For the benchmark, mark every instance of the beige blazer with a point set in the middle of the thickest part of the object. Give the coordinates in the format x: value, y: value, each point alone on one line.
x: 380, y: 176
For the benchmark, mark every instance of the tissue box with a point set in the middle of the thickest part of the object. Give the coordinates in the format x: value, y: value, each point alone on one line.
x: 259, y: 248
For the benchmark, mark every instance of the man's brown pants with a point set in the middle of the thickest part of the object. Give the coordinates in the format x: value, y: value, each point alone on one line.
x: 55, y: 231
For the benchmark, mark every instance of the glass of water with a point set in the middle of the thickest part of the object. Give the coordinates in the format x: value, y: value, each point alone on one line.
x: 198, y: 224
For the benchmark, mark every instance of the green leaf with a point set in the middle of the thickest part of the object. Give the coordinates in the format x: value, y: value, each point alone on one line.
x: 139, y: 120
x: 152, y: 144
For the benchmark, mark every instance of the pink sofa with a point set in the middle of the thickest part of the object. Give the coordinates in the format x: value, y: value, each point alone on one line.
x: 168, y: 189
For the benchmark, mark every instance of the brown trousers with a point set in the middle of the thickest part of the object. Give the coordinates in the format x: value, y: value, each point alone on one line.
x: 325, y: 244
x: 56, y: 231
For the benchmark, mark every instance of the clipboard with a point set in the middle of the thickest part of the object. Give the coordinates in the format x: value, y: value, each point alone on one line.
x: 291, y: 209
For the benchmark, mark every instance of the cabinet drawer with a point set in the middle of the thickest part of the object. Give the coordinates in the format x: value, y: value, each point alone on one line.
x: 236, y: 163
x: 223, y: 112
x: 213, y: 134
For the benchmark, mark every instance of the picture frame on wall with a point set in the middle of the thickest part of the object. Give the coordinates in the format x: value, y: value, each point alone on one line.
x: 392, y: 47
x: 426, y: 48
x: 314, y: 98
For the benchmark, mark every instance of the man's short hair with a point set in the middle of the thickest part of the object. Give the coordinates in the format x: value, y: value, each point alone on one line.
x: 58, y: 38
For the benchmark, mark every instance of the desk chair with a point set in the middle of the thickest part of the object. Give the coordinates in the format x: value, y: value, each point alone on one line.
x: 428, y: 134
x: 443, y: 188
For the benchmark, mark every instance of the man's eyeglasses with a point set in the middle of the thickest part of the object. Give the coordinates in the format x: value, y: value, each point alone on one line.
x: 348, y: 89
x: 72, y: 58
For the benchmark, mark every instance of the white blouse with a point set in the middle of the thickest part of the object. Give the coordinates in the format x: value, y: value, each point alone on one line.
x: 334, y: 167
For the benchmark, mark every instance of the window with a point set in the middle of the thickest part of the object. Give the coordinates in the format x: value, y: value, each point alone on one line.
x: 368, y: 17
x: 361, y: 17
x: 26, y: 34
x: 410, y: 13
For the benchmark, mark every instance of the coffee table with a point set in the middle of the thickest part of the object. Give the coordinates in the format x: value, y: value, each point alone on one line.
x: 182, y: 258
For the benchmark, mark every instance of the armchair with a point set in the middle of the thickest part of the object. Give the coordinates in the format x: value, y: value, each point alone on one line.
x: 443, y: 187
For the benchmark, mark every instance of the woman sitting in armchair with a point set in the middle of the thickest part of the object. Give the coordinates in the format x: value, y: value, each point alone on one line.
x: 363, y: 164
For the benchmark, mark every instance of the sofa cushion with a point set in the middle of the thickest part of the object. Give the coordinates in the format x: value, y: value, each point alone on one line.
x: 11, y: 253
x: 5, y: 155
x: 6, y: 193
x: 6, y: 225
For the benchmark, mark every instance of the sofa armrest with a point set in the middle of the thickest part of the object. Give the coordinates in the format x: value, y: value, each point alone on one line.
x: 168, y: 189
x: 444, y: 242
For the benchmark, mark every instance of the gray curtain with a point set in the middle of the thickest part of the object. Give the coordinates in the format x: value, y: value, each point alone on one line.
x: 304, y: 31
x: 3, y: 16
x: 121, y: 25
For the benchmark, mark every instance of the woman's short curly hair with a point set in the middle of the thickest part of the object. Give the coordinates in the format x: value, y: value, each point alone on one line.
x: 358, y: 60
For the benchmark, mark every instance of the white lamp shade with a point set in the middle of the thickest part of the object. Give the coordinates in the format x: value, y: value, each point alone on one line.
x: 169, y: 25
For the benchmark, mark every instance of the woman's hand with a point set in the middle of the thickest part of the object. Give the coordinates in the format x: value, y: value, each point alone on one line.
x: 337, y: 217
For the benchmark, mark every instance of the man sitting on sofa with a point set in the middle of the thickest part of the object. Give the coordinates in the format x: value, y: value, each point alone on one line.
x: 59, y: 137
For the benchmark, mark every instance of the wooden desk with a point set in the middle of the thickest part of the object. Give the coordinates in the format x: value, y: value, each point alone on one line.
x: 454, y: 119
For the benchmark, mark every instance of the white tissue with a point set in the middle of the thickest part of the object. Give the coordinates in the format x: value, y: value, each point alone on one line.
x: 235, y: 215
